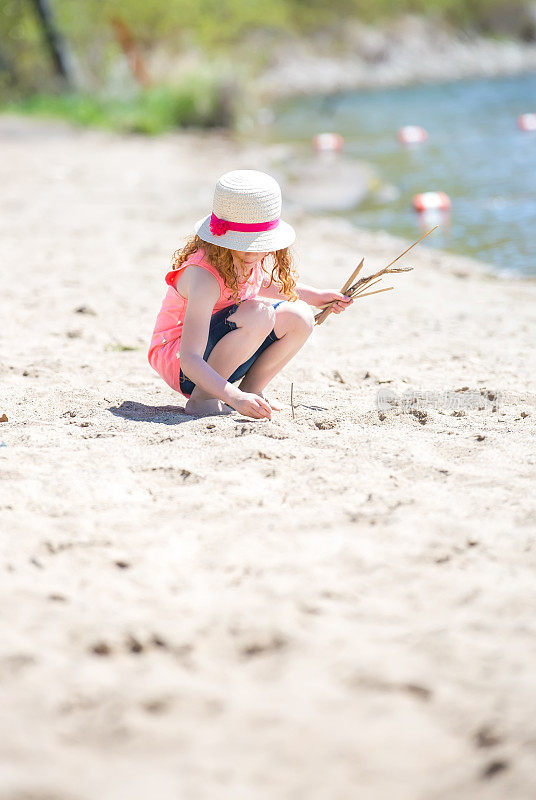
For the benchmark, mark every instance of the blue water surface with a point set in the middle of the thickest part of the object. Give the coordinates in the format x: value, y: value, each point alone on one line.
x: 475, y: 153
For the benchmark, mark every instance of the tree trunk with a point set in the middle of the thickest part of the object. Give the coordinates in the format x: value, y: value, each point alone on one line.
x: 54, y: 39
x: 7, y: 66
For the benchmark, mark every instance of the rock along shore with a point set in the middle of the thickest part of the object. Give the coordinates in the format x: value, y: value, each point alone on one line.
x: 410, y: 50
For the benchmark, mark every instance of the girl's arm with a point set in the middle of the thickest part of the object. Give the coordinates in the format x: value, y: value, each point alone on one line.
x: 304, y: 292
x: 310, y: 295
x: 203, y: 292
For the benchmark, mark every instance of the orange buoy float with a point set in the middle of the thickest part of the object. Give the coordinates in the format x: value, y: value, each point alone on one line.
x: 527, y: 122
x: 412, y: 134
x: 328, y: 143
x: 432, y: 201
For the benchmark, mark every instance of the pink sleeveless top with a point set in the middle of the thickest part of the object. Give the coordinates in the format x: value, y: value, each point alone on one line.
x: 164, y: 351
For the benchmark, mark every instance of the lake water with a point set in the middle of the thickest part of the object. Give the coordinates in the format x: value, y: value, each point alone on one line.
x: 475, y: 153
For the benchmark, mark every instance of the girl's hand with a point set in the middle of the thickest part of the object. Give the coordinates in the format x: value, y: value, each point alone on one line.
x: 341, y: 301
x: 251, y: 405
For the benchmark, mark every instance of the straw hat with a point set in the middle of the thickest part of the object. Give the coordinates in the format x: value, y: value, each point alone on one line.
x: 246, y: 214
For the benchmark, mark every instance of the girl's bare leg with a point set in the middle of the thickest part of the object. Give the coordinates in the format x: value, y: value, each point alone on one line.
x: 294, y: 323
x: 254, y: 322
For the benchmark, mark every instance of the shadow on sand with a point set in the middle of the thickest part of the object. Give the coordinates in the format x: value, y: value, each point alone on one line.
x: 174, y: 415
x: 139, y: 412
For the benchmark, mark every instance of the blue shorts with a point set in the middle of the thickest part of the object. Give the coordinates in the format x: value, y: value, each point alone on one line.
x: 219, y: 326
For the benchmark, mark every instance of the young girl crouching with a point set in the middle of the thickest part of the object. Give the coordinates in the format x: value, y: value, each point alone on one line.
x: 213, y: 328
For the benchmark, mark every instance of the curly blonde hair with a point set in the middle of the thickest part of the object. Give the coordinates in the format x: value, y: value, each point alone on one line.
x: 282, y: 272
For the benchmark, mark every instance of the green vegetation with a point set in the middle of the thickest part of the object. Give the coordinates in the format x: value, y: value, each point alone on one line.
x: 220, y: 23
x: 237, y: 33
x: 196, y: 102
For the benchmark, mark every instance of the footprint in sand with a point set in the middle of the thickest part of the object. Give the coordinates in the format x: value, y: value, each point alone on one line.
x: 325, y: 424
x: 421, y: 416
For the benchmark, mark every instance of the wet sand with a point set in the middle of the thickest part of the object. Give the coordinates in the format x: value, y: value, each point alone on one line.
x: 335, y: 605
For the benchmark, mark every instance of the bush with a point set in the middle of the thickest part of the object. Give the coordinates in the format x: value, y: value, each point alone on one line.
x: 201, y: 100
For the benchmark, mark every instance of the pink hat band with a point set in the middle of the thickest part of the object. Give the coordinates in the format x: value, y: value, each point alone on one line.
x: 219, y: 227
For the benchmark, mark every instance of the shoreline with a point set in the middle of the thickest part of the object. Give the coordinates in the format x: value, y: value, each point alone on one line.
x: 274, y: 158
x: 409, y: 51
x: 340, y: 81
x: 456, y: 261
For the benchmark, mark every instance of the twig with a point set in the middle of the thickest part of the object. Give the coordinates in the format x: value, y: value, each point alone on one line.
x: 355, y: 273
x: 367, y: 294
x: 356, y: 293
x: 413, y: 245
x: 291, y: 400
x: 363, y: 283
x: 351, y: 290
x: 365, y: 286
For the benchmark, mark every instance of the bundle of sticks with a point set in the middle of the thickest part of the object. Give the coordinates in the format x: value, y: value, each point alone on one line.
x: 357, y: 289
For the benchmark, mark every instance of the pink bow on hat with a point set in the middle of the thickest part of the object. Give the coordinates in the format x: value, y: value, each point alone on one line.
x: 219, y: 227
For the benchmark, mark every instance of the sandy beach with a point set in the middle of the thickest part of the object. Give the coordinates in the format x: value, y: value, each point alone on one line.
x: 333, y: 606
